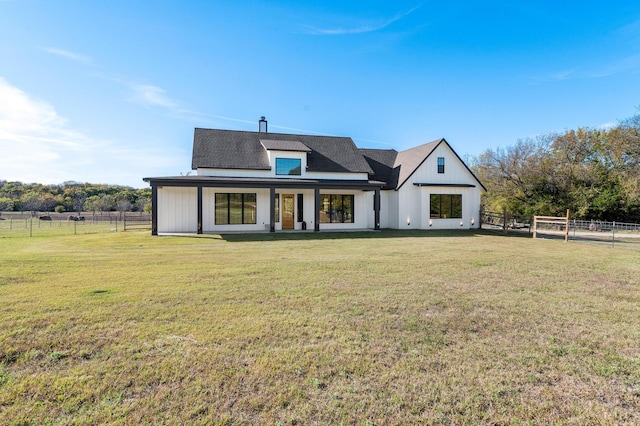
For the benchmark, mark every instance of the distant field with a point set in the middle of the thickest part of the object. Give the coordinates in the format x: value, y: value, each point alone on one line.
x: 347, y: 328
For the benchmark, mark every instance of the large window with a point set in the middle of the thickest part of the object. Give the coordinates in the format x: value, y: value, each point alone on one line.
x: 446, y: 206
x: 288, y: 166
x: 233, y: 209
x: 440, y: 164
x: 336, y: 208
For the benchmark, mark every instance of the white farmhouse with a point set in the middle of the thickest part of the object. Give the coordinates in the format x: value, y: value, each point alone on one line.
x: 262, y: 181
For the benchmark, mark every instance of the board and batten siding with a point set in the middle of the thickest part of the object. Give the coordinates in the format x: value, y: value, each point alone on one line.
x: 414, y: 201
x: 177, y: 210
x: 389, y: 209
x: 209, y: 210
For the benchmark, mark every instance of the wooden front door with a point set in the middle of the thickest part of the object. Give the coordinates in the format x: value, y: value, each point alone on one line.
x: 287, y: 211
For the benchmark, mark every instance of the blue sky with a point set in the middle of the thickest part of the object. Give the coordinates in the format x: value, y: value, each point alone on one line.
x: 110, y: 91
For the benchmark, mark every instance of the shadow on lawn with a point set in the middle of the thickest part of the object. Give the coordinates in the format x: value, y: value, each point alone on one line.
x: 347, y: 235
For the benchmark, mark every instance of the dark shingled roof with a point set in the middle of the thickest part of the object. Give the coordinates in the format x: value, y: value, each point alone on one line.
x: 396, y: 167
x: 382, y: 163
x: 284, y: 145
x: 233, y: 149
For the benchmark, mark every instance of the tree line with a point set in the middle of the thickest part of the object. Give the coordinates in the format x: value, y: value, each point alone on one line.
x: 72, y: 197
x: 593, y: 172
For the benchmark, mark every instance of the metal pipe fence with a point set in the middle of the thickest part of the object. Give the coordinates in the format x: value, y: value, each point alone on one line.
x: 16, y: 224
x: 613, y: 233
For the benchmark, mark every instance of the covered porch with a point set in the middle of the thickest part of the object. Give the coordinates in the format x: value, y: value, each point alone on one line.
x: 203, y: 190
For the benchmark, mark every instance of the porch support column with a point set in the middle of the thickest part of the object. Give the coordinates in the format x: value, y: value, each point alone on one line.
x: 316, y: 207
x: 272, y: 209
x: 199, y: 209
x: 154, y: 210
x: 376, y: 209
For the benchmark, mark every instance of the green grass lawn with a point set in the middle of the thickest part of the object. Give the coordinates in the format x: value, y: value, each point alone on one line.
x: 347, y: 328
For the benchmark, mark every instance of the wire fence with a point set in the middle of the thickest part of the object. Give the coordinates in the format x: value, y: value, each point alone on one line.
x: 498, y: 220
x: 603, y: 226
x: 611, y: 233
x: 44, y: 224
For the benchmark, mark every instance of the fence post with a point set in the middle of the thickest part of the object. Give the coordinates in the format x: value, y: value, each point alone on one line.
x: 31, y: 227
x: 504, y: 220
x: 566, y: 231
x: 613, y: 235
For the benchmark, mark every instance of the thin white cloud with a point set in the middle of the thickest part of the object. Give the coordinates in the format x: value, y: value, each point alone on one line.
x: 630, y: 31
x: 563, y: 75
x: 197, y: 116
x: 366, y: 27
x: 147, y: 95
x: 38, y: 145
x: 626, y: 64
x: 143, y: 94
x: 150, y: 95
x: 69, y: 55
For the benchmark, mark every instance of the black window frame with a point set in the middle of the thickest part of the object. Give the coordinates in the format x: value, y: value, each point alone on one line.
x: 222, y: 198
x: 440, y: 164
x: 288, y: 170
x: 336, y: 208
x: 450, y: 202
x: 300, y: 207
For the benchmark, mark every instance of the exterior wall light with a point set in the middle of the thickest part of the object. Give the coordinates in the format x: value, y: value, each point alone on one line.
x: 461, y: 223
x: 473, y: 221
x: 430, y: 223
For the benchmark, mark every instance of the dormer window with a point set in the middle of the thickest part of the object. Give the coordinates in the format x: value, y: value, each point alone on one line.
x: 440, y: 164
x: 288, y: 166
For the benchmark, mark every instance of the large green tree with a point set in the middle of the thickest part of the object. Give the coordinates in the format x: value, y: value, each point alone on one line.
x: 593, y: 172
x: 72, y: 196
